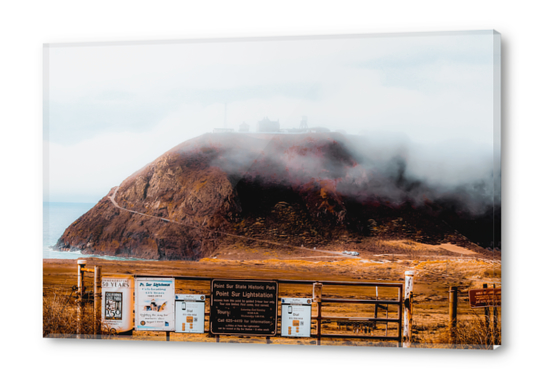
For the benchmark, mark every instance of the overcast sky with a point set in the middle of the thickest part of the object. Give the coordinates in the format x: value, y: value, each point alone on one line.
x: 111, y: 109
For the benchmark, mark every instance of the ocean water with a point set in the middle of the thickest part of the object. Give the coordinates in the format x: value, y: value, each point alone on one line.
x: 56, y: 218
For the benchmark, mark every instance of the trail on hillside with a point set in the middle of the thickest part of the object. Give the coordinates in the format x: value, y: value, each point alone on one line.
x: 114, y: 202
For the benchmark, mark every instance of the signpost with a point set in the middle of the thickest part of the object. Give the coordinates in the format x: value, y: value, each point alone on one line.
x: 296, y: 317
x: 155, y: 299
x: 189, y: 313
x: 244, y: 307
x: 407, y: 313
x: 486, y: 297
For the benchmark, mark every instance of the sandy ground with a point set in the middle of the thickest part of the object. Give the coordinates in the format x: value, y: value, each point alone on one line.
x: 443, y: 266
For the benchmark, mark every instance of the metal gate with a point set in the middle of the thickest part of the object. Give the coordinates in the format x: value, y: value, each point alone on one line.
x: 381, y: 316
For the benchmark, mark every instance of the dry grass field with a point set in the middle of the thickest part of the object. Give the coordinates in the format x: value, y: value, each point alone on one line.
x: 436, y: 269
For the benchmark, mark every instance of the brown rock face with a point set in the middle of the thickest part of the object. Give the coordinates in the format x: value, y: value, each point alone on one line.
x: 307, y: 189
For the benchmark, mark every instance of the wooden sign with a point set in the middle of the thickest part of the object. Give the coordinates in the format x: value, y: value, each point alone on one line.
x: 486, y: 297
x: 244, y: 307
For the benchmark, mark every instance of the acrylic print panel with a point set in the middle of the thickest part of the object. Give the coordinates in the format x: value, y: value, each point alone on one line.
x: 326, y: 190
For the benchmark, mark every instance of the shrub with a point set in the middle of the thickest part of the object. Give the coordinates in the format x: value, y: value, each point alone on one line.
x: 60, y: 315
x: 472, y: 332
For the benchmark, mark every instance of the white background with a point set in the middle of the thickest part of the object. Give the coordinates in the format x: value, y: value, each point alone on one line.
x: 25, y: 26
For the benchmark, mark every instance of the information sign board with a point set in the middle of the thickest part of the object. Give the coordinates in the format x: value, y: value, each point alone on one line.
x: 155, y: 299
x: 296, y: 317
x: 118, y: 303
x: 485, y: 297
x: 244, y: 307
x: 189, y: 313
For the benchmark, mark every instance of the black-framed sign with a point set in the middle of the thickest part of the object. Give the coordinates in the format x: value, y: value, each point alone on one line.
x: 244, y: 307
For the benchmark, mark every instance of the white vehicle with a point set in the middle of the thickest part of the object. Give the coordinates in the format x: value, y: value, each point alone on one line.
x: 350, y: 252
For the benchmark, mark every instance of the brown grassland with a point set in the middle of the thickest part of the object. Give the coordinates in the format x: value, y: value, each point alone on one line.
x: 436, y: 269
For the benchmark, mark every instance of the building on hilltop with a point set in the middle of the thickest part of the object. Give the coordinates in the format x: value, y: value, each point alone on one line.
x: 244, y: 128
x: 303, y: 124
x: 266, y: 125
x: 318, y: 129
x: 222, y: 130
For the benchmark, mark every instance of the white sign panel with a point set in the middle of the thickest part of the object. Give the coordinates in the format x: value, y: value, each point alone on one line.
x: 118, y: 303
x: 189, y: 313
x: 155, y: 301
x: 296, y: 317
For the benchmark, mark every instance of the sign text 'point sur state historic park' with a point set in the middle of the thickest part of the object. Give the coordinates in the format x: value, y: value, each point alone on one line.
x: 244, y: 307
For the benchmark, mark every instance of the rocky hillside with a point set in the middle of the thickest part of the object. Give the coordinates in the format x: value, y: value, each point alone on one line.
x: 302, y: 190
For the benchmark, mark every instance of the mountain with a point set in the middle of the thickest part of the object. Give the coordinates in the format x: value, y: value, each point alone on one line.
x: 311, y: 190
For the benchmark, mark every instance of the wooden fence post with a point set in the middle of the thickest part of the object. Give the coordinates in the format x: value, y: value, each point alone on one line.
x: 453, y: 312
x: 97, y: 300
x: 376, y: 305
x: 495, y: 322
x: 407, y: 312
x: 317, y: 298
x: 488, y: 328
x: 80, y: 283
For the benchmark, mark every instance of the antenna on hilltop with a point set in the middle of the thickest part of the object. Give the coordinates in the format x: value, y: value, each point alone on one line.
x: 225, y: 114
